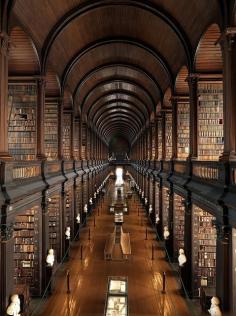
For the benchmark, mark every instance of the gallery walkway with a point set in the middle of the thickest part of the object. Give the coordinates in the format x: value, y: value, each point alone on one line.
x: 88, y: 277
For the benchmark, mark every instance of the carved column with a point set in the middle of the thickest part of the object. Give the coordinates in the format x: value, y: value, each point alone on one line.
x: 228, y: 45
x: 6, y: 264
x: 193, y: 150
x: 187, y: 277
x: 4, y: 50
x: 41, y: 85
x: 223, y: 265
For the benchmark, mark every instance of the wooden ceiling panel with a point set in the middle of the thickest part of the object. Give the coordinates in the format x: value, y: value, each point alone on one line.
x: 116, y: 87
x: 52, y: 84
x: 41, y: 15
x: 118, y: 98
x: 114, y: 53
x: 117, y: 73
x: 181, y: 84
x: 194, y: 16
x: 208, y: 55
x: 23, y: 59
x: 116, y: 21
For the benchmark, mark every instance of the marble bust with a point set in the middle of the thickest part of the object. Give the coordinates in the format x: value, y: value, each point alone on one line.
x: 85, y: 208
x: 215, y: 308
x: 150, y: 209
x: 50, y: 258
x: 78, y: 218
x: 67, y: 232
x: 14, y: 307
x: 181, y: 258
x: 166, y: 233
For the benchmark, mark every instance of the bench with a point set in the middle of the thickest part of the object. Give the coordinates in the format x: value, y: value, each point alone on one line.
x: 125, y: 245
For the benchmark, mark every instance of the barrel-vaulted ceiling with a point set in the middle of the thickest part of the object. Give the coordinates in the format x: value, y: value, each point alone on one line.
x: 117, y: 57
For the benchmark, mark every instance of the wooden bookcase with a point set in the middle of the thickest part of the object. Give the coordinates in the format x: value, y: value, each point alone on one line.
x: 22, y: 116
x: 159, y: 138
x: 51, y: 130
x: 54, y: 221
x: 153, y: 142
x: 76, y: 151
x: 178, y: 228
x: 203, y: 249
x: 26, y: 249
x: 168, y: 135
x: 69, y: 220
x: 210, y: 120
x: 67, y: 133
x: 165, y: 207
x: 183, y: 135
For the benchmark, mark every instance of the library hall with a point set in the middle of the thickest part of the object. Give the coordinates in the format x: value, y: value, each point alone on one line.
x: 117, y: 157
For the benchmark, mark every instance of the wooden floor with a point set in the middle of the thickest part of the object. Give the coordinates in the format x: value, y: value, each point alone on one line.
x: 88, y: 277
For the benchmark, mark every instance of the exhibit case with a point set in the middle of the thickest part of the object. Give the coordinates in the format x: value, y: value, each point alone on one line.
x: 117, y: 297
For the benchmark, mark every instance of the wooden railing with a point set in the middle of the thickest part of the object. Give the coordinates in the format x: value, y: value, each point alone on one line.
x: 52, y: 167
x: 180, y: 167
x: 206, y: 170
x: 26, y: 170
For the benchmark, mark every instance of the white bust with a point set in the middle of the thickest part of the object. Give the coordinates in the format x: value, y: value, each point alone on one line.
x: 166, y: 233
x: 142, y: 195
x: 150, y: 209
x: 67, y: 232
x: 215, y: 309
x: 146, y: 201
x: 181, y: 258
x: 50, y: 258
x: 78, y: 218
x: 85, y: 208
x: 14, y: 307
x: 95, y: 194
x: 90, y: 201
x: 157, y: 218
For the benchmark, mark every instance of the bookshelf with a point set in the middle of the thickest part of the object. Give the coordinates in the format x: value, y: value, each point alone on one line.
x: 54, y: 203
x: 22, y: 102
x: 67, y: 133
x: 69, y: 221
x: 165, y: 207
x: 210, y: 120
x: 76, y: 141
x: 183, y: 135
x: 204, y: 249
x: 51, y: 130
x: 26, y: 248
x: 157, y: 198
x: 83, y: 140
x: 168, y: 135
x: 159, y: 137
x: 153, y: 142
x: 178, y: 229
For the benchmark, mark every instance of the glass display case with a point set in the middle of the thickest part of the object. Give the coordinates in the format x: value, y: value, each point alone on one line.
x: 117, y: 297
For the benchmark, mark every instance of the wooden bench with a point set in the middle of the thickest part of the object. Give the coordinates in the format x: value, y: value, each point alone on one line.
x: 125, y: 245
x: 110, y: 242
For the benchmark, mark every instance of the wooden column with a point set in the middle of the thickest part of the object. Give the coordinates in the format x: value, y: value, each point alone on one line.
x: 228, y: 45
x: 188, y: 235
x: 163, y: 117
x: 6, y: 264
x: 4, y: 50
x: 174, y: 127
x: 72, y: 136
x: 41, y: 85
x: 223, y: 265
x: 193, y: 150
x: 60, y: 129
x: 45, y: 240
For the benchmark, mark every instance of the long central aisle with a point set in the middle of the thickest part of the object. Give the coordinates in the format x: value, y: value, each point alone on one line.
x: 88, y: 277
